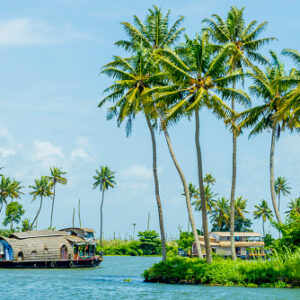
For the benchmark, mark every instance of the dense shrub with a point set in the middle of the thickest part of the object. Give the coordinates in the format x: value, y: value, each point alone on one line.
x: 282, y: 270
x: 150, y: 242
x: 119, y: 247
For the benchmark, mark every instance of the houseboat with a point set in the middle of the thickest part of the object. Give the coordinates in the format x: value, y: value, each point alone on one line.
x: 66, y: 248
x: 247, y: 244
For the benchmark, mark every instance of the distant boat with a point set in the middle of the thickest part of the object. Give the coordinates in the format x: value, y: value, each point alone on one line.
x: 65, y: 248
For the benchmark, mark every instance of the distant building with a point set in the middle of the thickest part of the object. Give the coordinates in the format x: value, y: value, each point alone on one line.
x: 246, y: 244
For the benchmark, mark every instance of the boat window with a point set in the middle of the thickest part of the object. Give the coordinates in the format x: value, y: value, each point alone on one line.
x: 64, y: 252
x: 33, y: 253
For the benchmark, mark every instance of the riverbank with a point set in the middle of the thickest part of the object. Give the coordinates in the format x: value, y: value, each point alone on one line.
x: 280, y: 271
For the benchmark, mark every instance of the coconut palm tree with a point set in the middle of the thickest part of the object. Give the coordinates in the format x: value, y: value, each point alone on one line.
x: 292, y: 105
x: 269, y: 86
x: 210, y: 200
x: 263, y: 211
x: 220, y: 214
x: 281, y: 188
x: 133, y: 79
x: 55, y: 177
x: 244, y: 43
x: 9, y: 188
x: 199, y: 80
x: 240, y: 207
x: 153, y: 34
x: 294, y: 207
x: 209, y: 179
x: 104, y: 179
x: 41, y: 189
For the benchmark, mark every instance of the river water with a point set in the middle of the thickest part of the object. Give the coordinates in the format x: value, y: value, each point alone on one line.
x: 107, y: 282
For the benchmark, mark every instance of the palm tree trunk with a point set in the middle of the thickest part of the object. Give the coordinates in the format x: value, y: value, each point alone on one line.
x: 38, y: 212
x: 233, y: 183
x: 202, y: 192
x: 101, y: 217
x: 272, y: 187
x: 263, y: 228
x: 186, y: 191
x: 53, y: 198
x: 156, y: 185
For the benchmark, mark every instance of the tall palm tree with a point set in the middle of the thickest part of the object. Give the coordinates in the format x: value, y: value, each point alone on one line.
x: 55, y: 177
x: 133, y: 79
x: 294, y: 207
x: 263, y: 211
x: 104, y: 179
x: 220, y: 214
x: 41, y: 189
x: 244, y: 43
x: 199, y: 80
x: 153, y: 34
x: 269, y: 86
x: 281, y: 188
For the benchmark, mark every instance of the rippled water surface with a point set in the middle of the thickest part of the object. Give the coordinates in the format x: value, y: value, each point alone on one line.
x: 107, y: 282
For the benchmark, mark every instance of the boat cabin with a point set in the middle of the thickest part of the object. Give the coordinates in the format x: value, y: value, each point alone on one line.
x: 66, y: 247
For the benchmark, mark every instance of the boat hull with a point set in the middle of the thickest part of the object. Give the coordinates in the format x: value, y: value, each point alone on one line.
x: 82, y: 263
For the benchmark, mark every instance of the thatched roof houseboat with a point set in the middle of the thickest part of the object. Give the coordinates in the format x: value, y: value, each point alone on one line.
x: 69, y: 247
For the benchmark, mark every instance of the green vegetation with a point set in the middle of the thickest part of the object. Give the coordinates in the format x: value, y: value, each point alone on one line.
x: 281, y: 271
x: 148, y: 244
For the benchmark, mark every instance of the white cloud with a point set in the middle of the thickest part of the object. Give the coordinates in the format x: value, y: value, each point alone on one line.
x: 7, y: 142
x: 80, y: 153
x: 44, y: 149
x: 137, y: 172
x: 83, y: 150
x: 24, y: 31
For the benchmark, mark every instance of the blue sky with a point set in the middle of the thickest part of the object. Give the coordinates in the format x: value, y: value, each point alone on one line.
x: 51, y: 52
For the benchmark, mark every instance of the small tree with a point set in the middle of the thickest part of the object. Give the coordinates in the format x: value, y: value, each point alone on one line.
x: 13, y: 214
x: 150, y: 242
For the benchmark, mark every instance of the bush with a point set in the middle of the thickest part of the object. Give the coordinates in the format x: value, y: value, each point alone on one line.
x: 150, y: 243
x: 119, y: 247
x: 281, y: 271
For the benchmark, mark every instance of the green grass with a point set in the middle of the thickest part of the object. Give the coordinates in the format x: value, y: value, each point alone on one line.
x: 280, y: 271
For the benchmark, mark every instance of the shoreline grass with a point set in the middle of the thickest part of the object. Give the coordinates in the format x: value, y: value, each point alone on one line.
x: 280, y: 271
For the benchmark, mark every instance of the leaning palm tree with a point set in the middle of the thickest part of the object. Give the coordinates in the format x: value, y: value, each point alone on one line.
x: 263, y: 211
x: 55, y: 177
x: 199, y: 80
x: 294, y: 208
x: 41, y: 189
x: 194, y: 194
x: 269, y: 86
x: 104, y: 179
x: 281, y: 188
x: 244, y: 43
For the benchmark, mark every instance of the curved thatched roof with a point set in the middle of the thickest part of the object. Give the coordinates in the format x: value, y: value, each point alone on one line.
x: 39, y: 249
x: 37, y: 234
